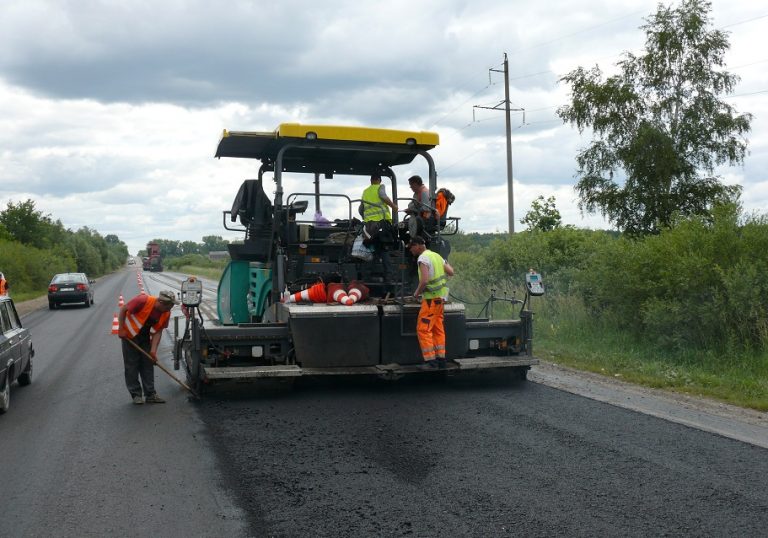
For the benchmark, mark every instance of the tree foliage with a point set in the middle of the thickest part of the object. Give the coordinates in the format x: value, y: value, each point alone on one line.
x: 168, y: 247
x: 30, y: 226
x: 34, y: 247
x: 172, y: 248
x: 213, y: 243
x: 543, y: 215
x: 659, y: 125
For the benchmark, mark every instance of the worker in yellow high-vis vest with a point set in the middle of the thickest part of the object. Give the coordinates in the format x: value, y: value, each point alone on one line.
x: 375, y: 202
x: 377, y: 230
x: 434, y: 271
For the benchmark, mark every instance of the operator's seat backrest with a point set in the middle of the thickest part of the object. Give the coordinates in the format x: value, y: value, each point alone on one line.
x: 252, y: 207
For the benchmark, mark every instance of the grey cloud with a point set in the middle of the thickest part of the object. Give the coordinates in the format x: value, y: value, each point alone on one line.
x: 61, y: 175
x: 249, y: 52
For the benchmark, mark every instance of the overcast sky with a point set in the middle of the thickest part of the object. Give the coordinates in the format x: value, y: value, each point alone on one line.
x: 110, y: 111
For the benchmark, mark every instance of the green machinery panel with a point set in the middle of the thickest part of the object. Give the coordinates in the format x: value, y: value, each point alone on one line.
x: 243, y: 291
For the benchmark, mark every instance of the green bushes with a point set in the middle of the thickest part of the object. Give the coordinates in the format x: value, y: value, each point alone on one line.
x: 194, y: 260
x: 29, y: 269
x: 699, y: 285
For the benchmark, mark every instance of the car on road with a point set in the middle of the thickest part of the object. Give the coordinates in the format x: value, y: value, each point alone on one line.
x: 70, y: 288
x: 16, y: 352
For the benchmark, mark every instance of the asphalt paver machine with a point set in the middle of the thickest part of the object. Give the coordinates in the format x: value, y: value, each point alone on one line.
x: 279, y: 309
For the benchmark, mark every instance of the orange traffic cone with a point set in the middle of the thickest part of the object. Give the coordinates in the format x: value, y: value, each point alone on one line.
x: 337, y: 293
x: 314, y: 294
x: 120, y: 301
x: 357, y: 291
x: 115, y: 325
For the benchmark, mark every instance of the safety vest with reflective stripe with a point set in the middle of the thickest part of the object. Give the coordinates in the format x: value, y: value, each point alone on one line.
x: 374, y: 208
x: 134, y: 322
x: 436, y: 287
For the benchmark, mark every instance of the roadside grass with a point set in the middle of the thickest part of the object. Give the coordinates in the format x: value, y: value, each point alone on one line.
x: 212, y: 273
x: 565, y: 333
x: 28, y: 295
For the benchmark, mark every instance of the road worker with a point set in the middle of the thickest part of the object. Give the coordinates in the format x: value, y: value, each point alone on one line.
x: 433, y: 278
x: 375, y: 202
x: 3, y: 285
x: 142, y: 320
x: 377, y: 221
x: 419, y: 210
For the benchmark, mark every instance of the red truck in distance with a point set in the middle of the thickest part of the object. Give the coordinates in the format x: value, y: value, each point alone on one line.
x: 153, y: 261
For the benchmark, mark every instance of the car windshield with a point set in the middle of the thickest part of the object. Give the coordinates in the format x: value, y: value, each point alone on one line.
x: 69, y: 277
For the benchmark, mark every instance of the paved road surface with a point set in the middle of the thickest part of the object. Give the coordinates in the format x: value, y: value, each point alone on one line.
x: 457, y: 457
x: 472, y: 458
x: 78, y: 459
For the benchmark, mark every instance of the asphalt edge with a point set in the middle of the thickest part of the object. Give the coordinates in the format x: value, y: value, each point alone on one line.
x: 745, y: 425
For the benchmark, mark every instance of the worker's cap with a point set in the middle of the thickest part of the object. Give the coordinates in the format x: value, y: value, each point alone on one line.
x: 166, y: 296
x: 415, y: 240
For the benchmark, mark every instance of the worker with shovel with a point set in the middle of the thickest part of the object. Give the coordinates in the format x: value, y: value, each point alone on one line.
x: 140, y: 326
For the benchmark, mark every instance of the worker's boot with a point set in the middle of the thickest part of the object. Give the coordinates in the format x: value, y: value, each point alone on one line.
x: 138, y: 400
x: 154, y: 398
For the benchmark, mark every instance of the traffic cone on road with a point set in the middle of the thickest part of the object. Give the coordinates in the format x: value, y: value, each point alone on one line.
x: 357, y: 291
x: 115, y: 325
x: 337, y: 293
x: 314, y: 294
x: 120, y: 301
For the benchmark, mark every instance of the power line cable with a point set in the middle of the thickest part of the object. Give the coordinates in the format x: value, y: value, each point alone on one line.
x: 749, y: 64
x: 578, y: 32
x: 744, y: 21
x: 746, y: 94
x: 461, y: 104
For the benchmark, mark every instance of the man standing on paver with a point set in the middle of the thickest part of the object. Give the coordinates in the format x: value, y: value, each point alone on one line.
x: 433, y: 279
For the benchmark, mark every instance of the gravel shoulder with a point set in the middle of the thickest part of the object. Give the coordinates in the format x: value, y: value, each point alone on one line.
x: 747, y: 425
x: 27, y: 307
